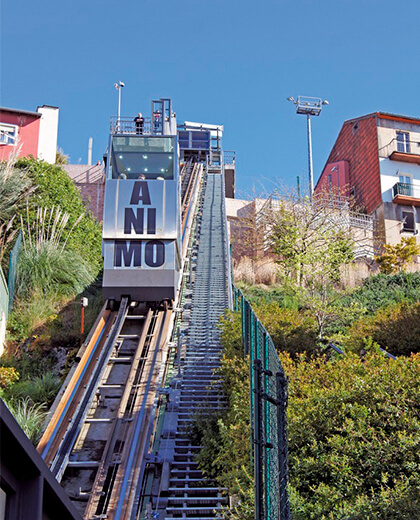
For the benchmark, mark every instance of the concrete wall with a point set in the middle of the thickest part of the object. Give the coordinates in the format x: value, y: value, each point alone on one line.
x: 48, y: 133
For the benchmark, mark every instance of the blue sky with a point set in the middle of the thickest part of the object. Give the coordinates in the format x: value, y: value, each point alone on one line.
x: 221, y: 61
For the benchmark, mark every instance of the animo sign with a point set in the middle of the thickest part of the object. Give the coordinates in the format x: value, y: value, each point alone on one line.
x: 139, y: 220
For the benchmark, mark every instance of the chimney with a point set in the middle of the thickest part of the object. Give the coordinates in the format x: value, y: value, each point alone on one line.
x: 90, y: 151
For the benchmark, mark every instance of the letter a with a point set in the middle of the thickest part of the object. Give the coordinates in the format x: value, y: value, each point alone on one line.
x: 140, y: 193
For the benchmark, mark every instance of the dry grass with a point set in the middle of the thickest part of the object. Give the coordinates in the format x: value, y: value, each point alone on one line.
x: 249, y: 271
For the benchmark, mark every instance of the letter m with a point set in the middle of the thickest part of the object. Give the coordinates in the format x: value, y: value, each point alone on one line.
x: 126, y: 252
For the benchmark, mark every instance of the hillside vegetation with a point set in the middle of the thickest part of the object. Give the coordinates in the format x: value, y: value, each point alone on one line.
x: 353, y: 419
x: 59, y: 261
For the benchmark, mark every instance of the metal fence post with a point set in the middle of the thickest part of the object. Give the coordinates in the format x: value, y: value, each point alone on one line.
x: 282, y: 398
x: 258, y: 441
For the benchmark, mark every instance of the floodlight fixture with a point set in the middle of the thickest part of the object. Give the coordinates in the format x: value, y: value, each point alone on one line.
x: 309, y: 106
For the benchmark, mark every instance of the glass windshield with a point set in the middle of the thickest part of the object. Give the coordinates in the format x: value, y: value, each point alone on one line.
x: 142, y: 158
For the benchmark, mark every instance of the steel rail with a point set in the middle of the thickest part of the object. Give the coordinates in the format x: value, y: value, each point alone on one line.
x: 110, y: 451
x: 58, y: 424
x: 63, y: 453
x: 130, y: 473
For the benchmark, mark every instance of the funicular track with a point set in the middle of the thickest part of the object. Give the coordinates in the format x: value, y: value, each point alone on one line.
x: 107, y: 436
x: 95, y: 449
x: 179, y: 489
x: 103, y: 418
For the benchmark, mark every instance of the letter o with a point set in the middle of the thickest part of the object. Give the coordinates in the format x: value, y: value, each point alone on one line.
x: 154, y: 253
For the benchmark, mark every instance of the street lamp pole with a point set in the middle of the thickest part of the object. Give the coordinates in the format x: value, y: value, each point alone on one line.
x: 119, y: 86
x: 310, y: 107
x: 310, y: 163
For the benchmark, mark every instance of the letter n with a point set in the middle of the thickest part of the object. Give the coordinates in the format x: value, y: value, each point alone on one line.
x: 135, y: 221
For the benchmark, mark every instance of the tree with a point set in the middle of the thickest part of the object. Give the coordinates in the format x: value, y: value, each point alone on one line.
x: 311, y: 242
x: 396, y: 258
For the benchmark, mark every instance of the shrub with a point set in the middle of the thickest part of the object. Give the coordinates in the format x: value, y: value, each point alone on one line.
x: 55, y: 188
x: 291, y: 331
x: 49, y: 269
x: 382, y: 290
x: 259, y: 294
x: 8, y: 376
x: 395, y: 328
x: 354, y: 437
x: 40, y: 389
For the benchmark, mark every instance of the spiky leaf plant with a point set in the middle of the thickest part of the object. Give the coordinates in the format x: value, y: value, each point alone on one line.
x: 29, y: 416
x: 45, y: 265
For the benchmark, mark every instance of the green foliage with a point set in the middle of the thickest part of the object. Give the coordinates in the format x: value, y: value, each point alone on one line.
x: 309, y: 241
x: 383, y: 290
x: 30, y: 361
x: 40, y: 389
x: 48, y: 269
x: 257, y: 294
x: 396, y: 329
x: 55, y: 188
x: 396, y: 258
x: 8, y: 376
x: 291, y: 331
x: 30, y: 417
x: 354, y: 437
x: 15, y: 186
x: 61, y: 157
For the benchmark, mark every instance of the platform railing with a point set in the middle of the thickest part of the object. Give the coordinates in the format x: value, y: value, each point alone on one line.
x: 229, y: 157
x: 408, y: 147
x: 128, y: 125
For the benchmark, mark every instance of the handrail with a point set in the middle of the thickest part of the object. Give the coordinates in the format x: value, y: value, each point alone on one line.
x: 129, y: 125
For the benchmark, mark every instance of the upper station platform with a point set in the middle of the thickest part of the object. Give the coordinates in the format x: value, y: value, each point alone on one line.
x: 161, y: 122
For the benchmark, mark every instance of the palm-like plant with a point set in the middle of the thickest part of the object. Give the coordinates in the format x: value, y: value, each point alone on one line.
x: 15, y: 187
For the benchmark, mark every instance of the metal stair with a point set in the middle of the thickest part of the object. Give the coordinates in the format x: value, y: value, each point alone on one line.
x: 196, y: 388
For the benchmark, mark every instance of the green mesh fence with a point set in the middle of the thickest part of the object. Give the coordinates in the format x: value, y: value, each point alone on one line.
x: 4, y: 297
x: 268, y: 416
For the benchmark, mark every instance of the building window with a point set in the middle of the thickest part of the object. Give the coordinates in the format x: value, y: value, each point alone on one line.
x: 403, y: 142
x: 8, y: 133
x: 405, y: 187
x: 408, y: 222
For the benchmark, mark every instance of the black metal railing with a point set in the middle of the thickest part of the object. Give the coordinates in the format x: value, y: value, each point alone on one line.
x: 406, y: 189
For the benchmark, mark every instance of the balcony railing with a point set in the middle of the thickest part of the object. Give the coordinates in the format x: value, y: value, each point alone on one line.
x: 398, y: 150
x: 404, y: 189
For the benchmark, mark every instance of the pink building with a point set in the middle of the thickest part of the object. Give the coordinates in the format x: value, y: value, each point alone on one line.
x: 30, y: 133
